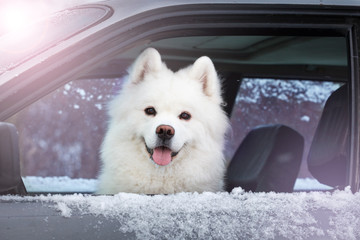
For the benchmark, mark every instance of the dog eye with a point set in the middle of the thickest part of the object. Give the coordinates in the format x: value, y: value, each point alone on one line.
x: 150, y: 111
x: 185, y: 116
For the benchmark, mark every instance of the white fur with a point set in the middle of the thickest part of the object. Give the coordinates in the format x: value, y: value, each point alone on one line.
x: 199, y: 165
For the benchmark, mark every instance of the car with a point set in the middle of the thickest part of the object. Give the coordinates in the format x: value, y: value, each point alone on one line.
x: 291, y: 90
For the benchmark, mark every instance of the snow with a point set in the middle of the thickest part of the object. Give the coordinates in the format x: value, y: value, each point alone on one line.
x: 306, y: 184
x: 98, y: 106
x: 59, y: 184
x: 67, y: 87
x: 305, y: 118
x: 288, y: 91
x: 235, y: 215
x: 81, y: 92
x: 80, y: 185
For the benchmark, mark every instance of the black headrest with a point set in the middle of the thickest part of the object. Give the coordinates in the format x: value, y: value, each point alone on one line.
x: 10, y: 177
x: 327, y: 160
x: 267, y: 160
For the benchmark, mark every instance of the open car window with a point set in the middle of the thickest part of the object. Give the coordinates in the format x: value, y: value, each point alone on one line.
x: 294, y: 103
x: 60, y: 134
x: 73, y: 122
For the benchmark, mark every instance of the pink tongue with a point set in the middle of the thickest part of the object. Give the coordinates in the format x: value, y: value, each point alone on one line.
x: 162, y: 156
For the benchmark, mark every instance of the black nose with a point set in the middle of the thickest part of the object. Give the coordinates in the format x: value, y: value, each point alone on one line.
x: 165, y: 132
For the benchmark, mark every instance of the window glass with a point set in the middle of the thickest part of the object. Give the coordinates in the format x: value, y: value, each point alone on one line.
x: 297, y: 104
x: 19, y: 46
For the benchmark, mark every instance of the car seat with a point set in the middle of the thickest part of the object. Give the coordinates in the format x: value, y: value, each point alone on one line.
x: 10, y: 178
x: 267, y: 160
x: 329, y: 151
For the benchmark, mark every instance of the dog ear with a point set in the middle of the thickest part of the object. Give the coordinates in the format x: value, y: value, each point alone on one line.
x: 204, y: 71
x: 147, y: 62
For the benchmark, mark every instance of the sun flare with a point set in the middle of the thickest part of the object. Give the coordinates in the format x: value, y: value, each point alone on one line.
x: 18, y: 15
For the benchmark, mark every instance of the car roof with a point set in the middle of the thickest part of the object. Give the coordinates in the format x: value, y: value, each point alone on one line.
x: 122, y: 11
x: 290, y: 2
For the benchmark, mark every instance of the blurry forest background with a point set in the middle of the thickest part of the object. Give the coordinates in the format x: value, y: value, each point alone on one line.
x: 60, y: 134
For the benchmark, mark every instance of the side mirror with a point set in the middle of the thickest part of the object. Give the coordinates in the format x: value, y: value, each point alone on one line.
x: 10, y: 177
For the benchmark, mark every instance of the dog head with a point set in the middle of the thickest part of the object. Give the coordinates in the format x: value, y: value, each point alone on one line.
x: 171, y: 111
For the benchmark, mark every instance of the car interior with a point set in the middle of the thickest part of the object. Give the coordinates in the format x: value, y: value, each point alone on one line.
x: 330, y: 146
x: 269, y: 156
x: 258, y: 171
x: 10, y: 178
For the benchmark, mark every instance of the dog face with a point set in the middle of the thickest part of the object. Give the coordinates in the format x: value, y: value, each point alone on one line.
x: 167, y: 127
x: 171, y: 112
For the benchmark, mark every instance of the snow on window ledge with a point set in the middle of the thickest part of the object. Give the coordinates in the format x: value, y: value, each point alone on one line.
x: 235, y: 215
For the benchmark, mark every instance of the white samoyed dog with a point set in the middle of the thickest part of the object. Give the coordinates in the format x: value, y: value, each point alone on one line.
x: 166, y: 130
